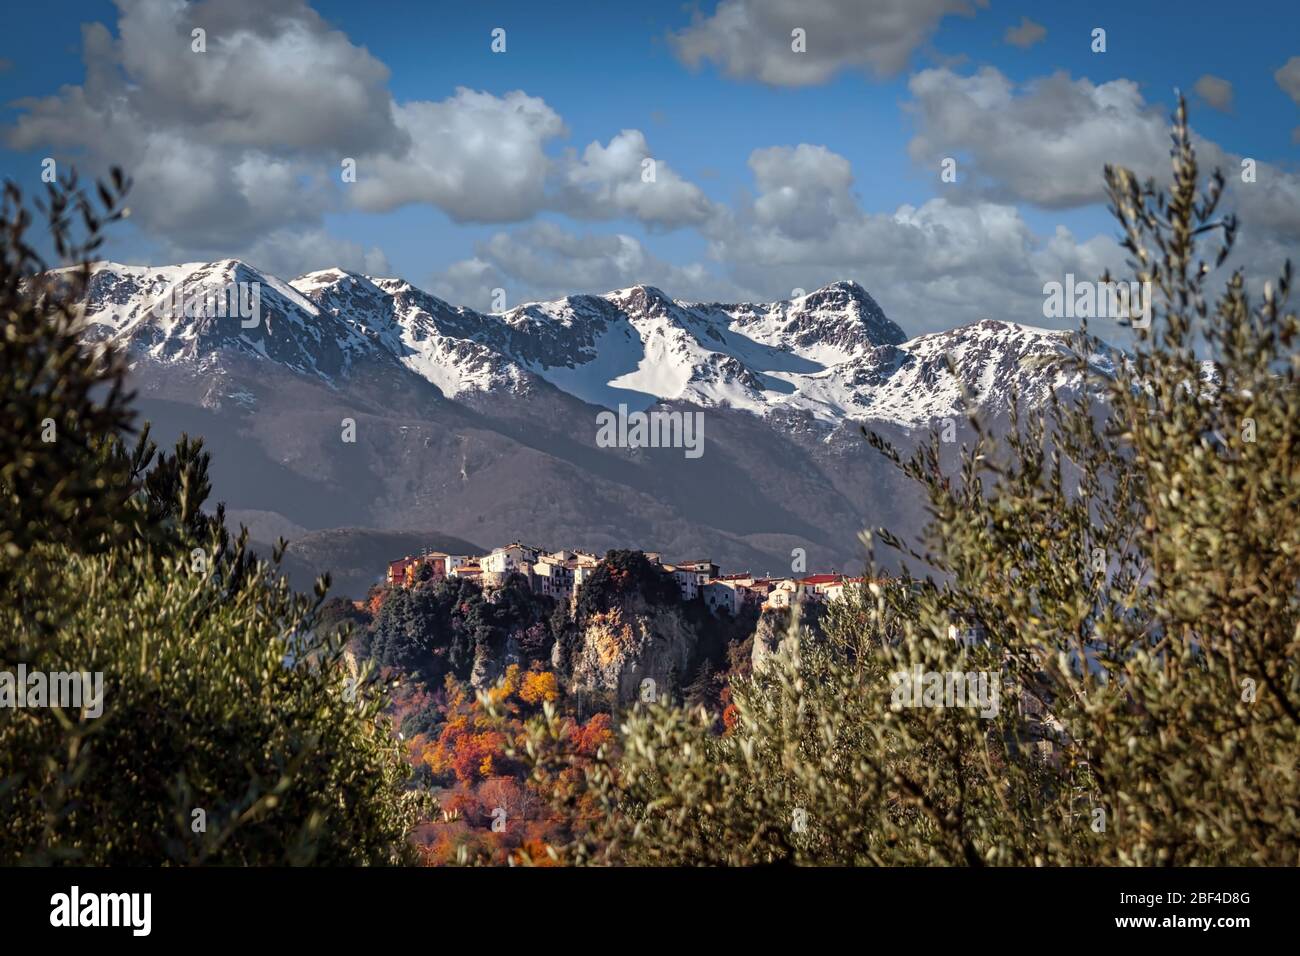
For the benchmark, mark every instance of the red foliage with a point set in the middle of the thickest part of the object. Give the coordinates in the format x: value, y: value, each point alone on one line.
x: 730, y: 717
x: 496, y: 810
x: 597, y: 732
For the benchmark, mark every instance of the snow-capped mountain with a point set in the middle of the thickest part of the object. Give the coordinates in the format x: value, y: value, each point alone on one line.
x: 484, y: 426
x: 832, y: 354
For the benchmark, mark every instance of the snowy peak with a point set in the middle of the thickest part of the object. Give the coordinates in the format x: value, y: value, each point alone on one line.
x: 456, y: 349
x: 845, y: 302
x: 832, y: 354
x: 643, y: 300
x: 197, y: 311
x: 993, y: 360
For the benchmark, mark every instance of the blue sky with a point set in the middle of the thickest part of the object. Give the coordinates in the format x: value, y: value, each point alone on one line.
x: 855, y: 129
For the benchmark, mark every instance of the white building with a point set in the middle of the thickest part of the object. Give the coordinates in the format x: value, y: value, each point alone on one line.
x: 688, y: 582
x: 513, y: 557
x: 842, y: 588
x: 723, y: 596
x: 553, y: 575
x: 468, y: 571
x: 580, y: 576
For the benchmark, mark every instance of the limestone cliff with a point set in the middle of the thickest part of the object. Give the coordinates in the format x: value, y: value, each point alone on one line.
x: 622, y: 648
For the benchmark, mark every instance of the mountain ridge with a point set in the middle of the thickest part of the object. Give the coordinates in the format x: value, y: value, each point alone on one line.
x: 360, y: 402
x: 831, y: 352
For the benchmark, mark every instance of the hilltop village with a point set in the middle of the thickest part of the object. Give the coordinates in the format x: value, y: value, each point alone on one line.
x: 561, y: 575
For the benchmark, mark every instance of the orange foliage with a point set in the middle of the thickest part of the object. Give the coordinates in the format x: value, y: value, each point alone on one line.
x: 539, y: 686
x: 471, y: 746
x: 596, y: 733
x: 471, y: 743
x: 507, y: 686
x: 375, y: 600
x: 730, y: 718
x: 535, y: 852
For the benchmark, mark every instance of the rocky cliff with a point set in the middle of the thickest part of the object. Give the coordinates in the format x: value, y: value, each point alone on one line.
x: 620, y: 649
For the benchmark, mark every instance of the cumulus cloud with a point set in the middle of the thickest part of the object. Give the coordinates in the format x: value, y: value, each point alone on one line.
x: 802, y: 190
x: 225, y: 145
x: 477, y: 156
x: 752, y: 39
x: 930, y: 266
x: 546, y: 261
x: 1215, y: 92
x: 625, y: 179
x: 289, y: 253
x: 247, y: 138
x: 1047, y: 142
x: 224, y: 168
x: 1025, y: 35
x: 273, y: 76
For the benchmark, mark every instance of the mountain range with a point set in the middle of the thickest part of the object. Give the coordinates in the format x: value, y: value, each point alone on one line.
x: 483, y: 425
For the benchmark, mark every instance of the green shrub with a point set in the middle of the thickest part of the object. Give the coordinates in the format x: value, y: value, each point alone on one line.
x: 231, y: 730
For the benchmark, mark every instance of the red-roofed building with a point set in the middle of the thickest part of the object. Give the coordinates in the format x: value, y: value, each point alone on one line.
x: 821, y: 580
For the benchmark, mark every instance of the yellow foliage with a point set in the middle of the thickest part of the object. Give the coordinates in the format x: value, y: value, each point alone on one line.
x: 539, y: 686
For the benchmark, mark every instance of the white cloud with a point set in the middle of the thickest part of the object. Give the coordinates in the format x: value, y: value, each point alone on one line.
x: 229, y: 145
x: 1045, y: 143
x: 802, y: 191
x: 610, y: 181
x: 225, y: 146
x: 751, y: 39
x: 478, y: 157
x: 1048, y: 141
x: 274, y: 75
x: 545, y: 261
x: 292, y: 252
x: 225, y: 168
x: 273, y: 79
x: 931, y: 266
